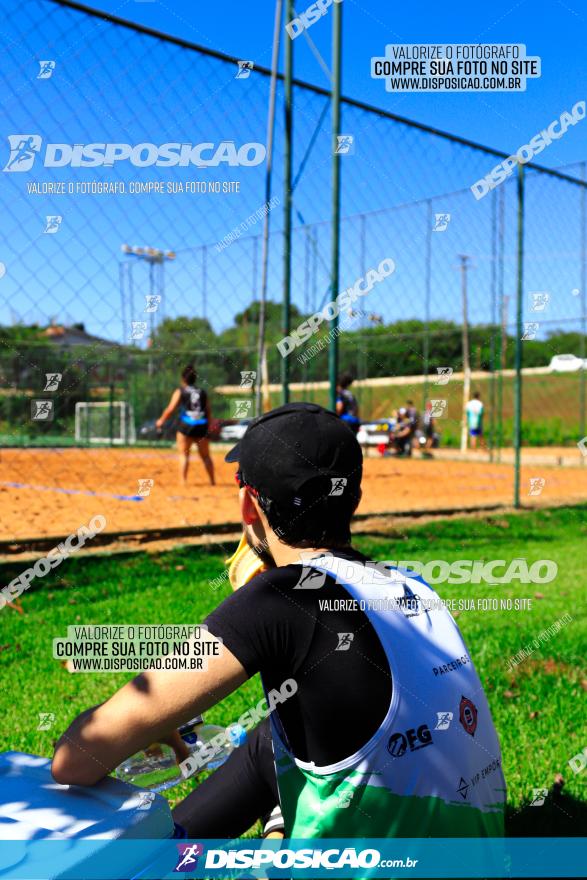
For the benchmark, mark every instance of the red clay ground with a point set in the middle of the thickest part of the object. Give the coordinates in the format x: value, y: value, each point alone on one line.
x: 52, y: 492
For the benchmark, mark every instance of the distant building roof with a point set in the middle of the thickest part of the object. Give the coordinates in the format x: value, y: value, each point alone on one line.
x: 69, y: 336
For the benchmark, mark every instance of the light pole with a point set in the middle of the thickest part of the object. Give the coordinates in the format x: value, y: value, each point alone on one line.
x: 153, y: 257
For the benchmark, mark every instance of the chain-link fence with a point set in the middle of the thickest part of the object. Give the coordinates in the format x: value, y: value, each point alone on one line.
x: 117, y: 271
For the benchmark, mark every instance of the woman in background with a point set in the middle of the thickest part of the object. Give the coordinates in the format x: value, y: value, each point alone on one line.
x: 193, y: 422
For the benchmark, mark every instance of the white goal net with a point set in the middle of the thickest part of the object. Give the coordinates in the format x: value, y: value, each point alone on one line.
x: 105, y: 422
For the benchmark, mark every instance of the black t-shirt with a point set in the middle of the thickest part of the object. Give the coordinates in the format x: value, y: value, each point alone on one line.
x: 193, y: 402
x: 412, y: 414
x: 343, y: 695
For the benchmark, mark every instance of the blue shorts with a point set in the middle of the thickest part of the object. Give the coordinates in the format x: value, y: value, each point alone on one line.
x: 195, y: 431
x: 476, y: 432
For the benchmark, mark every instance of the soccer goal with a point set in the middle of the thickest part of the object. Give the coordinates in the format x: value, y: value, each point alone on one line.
x: 105, y: 422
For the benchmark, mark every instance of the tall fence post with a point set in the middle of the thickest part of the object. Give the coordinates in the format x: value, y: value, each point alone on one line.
x: 262, y: 378
x: 361, y: 362
x: 519, y: 331
x: 427, y: 294
x: 465, y: 347
x: 335, y: 251
x: 287, y: 198
x: 583, y: 324
x: 502, y: 330
x: 493, y: 392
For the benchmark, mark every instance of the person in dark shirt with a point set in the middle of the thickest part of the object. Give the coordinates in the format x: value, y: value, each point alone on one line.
x: 194, y: 419
x: 412, y: 412
x: 429, y: 432
x: 403, y: 433
x: 283, y: 632
x: 347, y: 407
x: 351, y: 648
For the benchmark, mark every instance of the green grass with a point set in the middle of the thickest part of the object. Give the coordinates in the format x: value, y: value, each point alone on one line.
x: 539, y: 709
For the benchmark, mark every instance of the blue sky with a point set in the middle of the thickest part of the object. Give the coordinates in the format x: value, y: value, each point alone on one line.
x: 113, y: 85
x: 554, y: 30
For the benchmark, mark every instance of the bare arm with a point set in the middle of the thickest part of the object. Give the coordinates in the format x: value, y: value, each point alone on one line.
x: 145, y: 710
x: 171, y: 407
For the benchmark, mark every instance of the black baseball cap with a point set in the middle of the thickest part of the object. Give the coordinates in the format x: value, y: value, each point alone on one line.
x: 299, y: 454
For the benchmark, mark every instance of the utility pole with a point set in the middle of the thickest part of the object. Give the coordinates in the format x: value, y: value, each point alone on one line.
x: 464, y: 267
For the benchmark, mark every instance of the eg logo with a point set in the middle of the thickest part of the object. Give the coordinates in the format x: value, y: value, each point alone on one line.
x: 415, y: 739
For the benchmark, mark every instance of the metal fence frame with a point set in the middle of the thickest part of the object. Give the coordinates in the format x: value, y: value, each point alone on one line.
x: 523, y: 172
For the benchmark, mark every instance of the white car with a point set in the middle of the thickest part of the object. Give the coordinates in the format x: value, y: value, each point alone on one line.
x: 567, y: 363
x: 374, y: 433
x: 234, y: 433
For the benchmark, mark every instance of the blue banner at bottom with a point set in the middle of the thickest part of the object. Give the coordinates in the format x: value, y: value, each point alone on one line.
x: 314, y: 858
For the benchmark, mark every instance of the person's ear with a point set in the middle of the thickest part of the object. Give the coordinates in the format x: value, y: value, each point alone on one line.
x: 249, y: 511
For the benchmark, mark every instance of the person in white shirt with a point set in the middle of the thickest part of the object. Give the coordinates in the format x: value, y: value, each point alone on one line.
x: 474, y: 411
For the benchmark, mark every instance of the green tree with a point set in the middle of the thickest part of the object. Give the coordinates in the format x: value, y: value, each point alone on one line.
x: 183, y: 334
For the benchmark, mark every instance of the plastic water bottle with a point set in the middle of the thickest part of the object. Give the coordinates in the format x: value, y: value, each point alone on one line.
x: 156, y: 767
x: 198, y: 736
